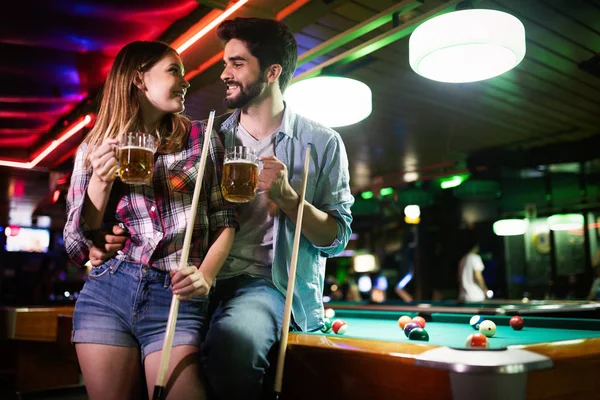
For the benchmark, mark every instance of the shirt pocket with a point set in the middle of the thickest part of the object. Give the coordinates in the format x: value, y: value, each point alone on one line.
x: 183, y: 175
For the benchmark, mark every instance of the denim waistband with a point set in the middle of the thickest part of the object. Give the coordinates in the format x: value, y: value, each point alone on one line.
x: 140, y: 271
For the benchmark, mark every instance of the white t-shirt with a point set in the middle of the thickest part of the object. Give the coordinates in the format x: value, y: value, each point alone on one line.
x: 469, y: 289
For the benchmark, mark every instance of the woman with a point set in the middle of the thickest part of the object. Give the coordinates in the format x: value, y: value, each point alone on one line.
x: 120, y: 317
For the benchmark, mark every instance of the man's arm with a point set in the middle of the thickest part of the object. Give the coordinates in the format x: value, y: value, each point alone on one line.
x: 319, y: 227
x: 107, y: 244
x: 480, y: 281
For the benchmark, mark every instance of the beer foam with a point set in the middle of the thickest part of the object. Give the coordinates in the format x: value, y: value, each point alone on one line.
x: 136, y: 148
x: 239, y: 162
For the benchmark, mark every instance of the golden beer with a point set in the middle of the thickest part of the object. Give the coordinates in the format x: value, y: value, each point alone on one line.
x: 136, y: 164
x: 240, y: 178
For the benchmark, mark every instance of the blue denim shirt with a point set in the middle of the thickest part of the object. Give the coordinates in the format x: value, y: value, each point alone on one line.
x: 328, y: 189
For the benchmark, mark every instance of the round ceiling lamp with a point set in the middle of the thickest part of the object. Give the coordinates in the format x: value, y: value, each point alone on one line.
x: 510, y: 227
x: 332, y: 101
x: 467, y: 46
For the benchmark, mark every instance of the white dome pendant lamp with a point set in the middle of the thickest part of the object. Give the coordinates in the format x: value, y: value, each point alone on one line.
x: 330, y: 100
x: 467, y: 45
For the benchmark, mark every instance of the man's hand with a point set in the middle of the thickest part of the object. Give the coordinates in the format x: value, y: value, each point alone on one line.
x: 189, y: 282
x: 273, y: 179
x: 107, y: 244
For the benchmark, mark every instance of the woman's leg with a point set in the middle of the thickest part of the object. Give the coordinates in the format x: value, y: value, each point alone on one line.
x: 110, y: 372
x: 183, y: 377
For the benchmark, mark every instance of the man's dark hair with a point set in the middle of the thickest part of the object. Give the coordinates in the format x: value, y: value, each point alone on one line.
x: 268, y: 40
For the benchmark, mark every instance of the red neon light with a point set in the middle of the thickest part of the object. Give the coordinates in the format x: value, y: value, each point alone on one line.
x: 207, y: 28
x: 205, y: 65
x: 290, y: 9
x: 219, y: 56
x: 43, y: 100
x: 50, y: 147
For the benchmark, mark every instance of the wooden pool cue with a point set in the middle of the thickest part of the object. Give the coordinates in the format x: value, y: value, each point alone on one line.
x: 287, y: 310
x: 159, y: 386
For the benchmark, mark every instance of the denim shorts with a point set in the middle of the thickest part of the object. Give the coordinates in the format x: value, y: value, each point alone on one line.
x: 127, y: 304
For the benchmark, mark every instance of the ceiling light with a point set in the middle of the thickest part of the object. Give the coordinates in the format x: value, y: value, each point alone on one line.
x: 412, y: 211
x: 332, y: 101
x: 510, y: 227
x: 565, y: 222
x: 467, y: 46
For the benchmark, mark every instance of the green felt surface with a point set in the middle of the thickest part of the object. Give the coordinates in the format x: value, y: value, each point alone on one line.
x: 452, y: 330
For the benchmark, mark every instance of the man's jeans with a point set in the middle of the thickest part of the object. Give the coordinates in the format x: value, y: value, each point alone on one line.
x: 246, y: 323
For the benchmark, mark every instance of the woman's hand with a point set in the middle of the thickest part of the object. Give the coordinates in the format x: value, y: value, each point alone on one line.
x: 104, y: 161
x: 190, y: 282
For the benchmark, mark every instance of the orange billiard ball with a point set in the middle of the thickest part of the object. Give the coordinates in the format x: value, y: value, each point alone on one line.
x: 403, y: 320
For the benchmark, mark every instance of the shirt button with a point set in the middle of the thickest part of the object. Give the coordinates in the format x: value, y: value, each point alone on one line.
x: 152, y: 208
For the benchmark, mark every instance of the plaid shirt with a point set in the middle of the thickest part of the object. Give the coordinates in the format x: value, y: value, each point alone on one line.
x: 156, y: 214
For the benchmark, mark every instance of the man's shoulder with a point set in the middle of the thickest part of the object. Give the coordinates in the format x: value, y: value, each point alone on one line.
x: 314, y: 131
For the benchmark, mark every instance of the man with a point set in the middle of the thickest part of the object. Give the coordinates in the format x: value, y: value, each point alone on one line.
x: 248, y: 299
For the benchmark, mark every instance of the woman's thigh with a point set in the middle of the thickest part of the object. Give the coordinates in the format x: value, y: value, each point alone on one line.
x: 110, y: 372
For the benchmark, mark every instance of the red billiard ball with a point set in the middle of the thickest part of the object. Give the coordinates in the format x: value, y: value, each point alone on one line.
x: 339, y: 327
x: 420, y: 321
x: 477, y: 340
x: 516, y: 323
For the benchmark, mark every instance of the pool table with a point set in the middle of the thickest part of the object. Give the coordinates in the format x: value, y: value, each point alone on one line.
x: 551, y: 358
x: 540, y: 308
x: 36, y: 349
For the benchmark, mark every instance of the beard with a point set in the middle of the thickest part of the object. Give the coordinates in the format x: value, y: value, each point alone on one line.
x: 246, y: 95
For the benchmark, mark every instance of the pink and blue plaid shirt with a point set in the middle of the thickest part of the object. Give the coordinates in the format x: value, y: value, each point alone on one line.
x: 156, y: 215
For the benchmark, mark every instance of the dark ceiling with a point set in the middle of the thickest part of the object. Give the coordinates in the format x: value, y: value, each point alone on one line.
x: 54, y: 56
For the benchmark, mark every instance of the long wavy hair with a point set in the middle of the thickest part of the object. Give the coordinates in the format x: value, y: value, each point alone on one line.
x: 120, y: 98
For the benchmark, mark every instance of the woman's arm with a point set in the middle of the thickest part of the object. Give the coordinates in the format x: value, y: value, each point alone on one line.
x: 104, y: 164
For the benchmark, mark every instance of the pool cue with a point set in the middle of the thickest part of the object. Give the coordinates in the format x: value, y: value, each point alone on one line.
x: 159, y: 386
x: 287, y: 310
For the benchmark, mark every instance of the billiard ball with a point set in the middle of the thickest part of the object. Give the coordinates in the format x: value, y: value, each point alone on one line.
x: 420, y: 321
x: 477, y: 340
x: 475, y: 321
x: 488, y: 328
x: 329, y: 313
x: 418, y: 334
x: 339, y: 327
x: 516, y: 323
x: 327, y: 326
x: 403, y: 320
x: 409, y: 327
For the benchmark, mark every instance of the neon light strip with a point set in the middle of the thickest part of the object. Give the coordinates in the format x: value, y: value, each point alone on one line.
x: 219, y: 56
x: 44, y: 100
x: 205, y: 65
x: 290, y: 9
x: 210, y: 26
x: 53, y: 145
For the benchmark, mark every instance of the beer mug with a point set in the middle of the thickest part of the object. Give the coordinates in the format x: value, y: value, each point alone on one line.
x: 240, y: 174
x: 136, y: 158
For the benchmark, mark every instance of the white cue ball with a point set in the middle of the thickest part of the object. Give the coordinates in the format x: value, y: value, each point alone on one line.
x: 488, y: 328
x: 329, y: 313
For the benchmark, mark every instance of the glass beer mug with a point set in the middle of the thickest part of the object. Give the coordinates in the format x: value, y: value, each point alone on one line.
x: 240, y: 174
x: 136, y: 158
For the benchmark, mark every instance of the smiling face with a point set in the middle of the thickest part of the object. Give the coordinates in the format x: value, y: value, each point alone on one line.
x: 245, y: 81
x: 164, y: 86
